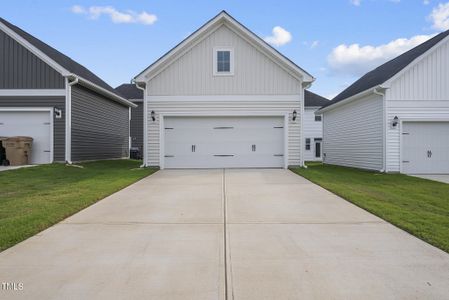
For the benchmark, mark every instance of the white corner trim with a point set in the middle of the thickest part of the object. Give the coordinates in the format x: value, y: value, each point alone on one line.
x: 34, y: 50
x: 50, y: 110
x: 215, y: 60
x: 32, y: 92
x: 68, y: 122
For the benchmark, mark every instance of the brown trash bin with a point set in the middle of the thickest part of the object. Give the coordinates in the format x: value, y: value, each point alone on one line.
x: 18, y: 150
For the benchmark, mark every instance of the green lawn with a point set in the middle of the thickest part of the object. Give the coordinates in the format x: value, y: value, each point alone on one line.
x: 416, y: 205
x: 32, y: 199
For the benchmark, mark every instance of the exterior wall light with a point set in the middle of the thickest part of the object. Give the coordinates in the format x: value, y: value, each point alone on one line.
x: 294, y: 115
x: 58, y: 113
x: 395, y: 122
x: 153, y: 115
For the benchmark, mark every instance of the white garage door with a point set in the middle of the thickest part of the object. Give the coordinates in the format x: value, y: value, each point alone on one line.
x: 35, y: 124
x: 223, y: 142
x: 425, y: 148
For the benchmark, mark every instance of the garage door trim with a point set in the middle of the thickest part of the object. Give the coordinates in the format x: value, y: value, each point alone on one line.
x: 222, y: 114
x: 50, y: 110
x: 401, y: 133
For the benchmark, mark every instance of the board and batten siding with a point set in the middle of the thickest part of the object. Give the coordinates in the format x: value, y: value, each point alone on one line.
x: 21, y: 69
x: 224, y: 108
x: 353, y: 134
x: 100, y: 127
x: 44, y: 101
x: 136, y: 124
x: 420, y: 93
x: 312, y: 129
x: 254, y: 72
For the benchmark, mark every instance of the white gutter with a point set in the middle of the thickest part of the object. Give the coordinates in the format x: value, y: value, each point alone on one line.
x: 145, y: 124
x: 101, y: 90
x: 68, y: 119
x: 350, y: 99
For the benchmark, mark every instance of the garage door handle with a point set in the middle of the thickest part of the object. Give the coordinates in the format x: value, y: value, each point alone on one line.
x: 223, y: 155
x: 223, y: 127
x: 169, y: 156
x: 278, y: 155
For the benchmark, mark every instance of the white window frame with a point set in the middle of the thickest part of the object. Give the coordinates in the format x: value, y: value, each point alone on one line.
x: 231, y: 58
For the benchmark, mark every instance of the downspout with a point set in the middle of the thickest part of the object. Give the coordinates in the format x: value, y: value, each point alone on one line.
x: 145, y: 124
x: 68, y: 118
x: 305, y: 86
x: 384, y: 125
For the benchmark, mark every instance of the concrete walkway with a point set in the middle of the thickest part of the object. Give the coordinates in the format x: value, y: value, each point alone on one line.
x: 233, y: 234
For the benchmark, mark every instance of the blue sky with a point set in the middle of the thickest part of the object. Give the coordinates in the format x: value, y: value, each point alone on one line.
x: 334, y: 40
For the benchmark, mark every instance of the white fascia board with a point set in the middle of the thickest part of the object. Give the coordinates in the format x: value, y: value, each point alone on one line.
x: 34, y: 50
x: 350, y: 99
x: 32, y: 92
x: 227, y: 98
x: 102, y: 91
x: 209, y: 28
x: 417, y: 60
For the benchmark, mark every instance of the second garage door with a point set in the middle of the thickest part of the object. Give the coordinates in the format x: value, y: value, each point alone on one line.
x: 223, y: 142
x: 425, y: 148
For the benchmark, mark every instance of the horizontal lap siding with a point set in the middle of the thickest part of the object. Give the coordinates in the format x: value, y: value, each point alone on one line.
x: 41, y: 101
x: 422, y: 93
x: 353, y: 134
x: 216, y: 107
x: 312, y: 129
x: 137, y: 126
x: 100, y: 127
x: 21, y: 69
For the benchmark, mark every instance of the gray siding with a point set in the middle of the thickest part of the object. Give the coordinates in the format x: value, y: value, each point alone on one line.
x: 100, y: 127
x: 41, y: 101
x: 137, y: 126
x: 21, y: 69
x: 353, y: 134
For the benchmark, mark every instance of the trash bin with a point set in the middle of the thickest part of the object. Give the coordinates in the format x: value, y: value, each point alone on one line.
x: 134, y: 153
x: 3, y: 161
x: 18, y: 150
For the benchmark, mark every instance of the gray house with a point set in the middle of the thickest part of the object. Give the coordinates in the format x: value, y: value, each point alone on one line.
x: 71, y: 113
x: 134, y: 95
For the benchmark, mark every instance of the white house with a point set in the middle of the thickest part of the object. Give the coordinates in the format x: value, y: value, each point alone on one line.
x: 396, y: 117
x: 313, y: 126
x: 223, y: 98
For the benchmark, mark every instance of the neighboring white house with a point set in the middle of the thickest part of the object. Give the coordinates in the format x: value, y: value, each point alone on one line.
x: 223, y: 98
x: 313, y: 126
x: 396, y: 117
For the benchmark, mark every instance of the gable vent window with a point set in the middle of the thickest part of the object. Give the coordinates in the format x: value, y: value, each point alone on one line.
x: 317, y: 118
x: 307, y: 144
x: 223, y: 61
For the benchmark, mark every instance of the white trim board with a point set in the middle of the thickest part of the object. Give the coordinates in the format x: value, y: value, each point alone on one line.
x: 48, y: 109
x: 32, y: 92
x: 227, y: 98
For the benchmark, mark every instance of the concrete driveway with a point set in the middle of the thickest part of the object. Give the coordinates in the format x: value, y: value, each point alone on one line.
x: 444, y: 178
x: 225, y: 234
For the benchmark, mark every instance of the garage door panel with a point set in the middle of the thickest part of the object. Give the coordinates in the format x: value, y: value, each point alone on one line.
x: 35, y: 124
x: 218, y: 142
x: 425, y: 148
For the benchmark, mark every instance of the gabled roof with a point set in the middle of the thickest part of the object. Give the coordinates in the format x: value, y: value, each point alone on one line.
x: 222, y: 18
x: 314, y: 100
x: 383, y: 73
x: 129, y: 91
x: 62, y: 63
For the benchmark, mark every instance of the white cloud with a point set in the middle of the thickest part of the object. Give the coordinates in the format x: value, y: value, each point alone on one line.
x: 356, y: 60
x: 116, y: 16
x: 314, y: 44
x: 426, y: 2
x: 279, y: 37
x: 440, y: 16
x: 356, y: 2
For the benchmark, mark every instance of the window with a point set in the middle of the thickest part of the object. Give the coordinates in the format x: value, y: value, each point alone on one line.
x: 307, y: 143
x: 223, y: 61
x: 317, y: 118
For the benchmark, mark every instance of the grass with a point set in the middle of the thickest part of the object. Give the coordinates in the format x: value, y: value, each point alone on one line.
x: 418, y: 206
x: 32, y: 199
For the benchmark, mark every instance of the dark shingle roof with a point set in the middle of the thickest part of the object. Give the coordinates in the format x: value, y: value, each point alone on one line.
x: 63, y: 60
x: 314, y: 100
x: 386, y: 71
x: 129, y: 91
